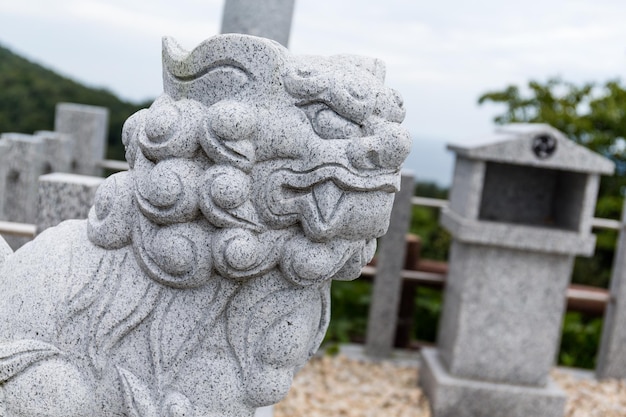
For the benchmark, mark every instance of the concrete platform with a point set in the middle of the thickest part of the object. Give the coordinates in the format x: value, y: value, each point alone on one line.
x: 455, y: 397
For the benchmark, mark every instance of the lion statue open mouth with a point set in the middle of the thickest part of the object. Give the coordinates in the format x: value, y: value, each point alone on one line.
x: 200, y: 282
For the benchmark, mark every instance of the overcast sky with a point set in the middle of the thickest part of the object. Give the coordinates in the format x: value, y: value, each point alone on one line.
x: 441, y: 55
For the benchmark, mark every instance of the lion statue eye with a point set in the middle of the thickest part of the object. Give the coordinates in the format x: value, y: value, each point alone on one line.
x: 328, y: 124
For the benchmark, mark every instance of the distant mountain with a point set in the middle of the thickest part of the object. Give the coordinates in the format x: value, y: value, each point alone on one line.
x: 29, y: 93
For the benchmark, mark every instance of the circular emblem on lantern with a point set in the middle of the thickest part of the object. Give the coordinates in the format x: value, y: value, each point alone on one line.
x: 544, y: 145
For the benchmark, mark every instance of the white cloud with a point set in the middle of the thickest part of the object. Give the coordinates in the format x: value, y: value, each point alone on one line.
x: 441, y: 55
x: 144, y: 20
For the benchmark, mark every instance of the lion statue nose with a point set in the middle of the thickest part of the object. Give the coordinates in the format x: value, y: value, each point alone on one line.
x: 386, y: 149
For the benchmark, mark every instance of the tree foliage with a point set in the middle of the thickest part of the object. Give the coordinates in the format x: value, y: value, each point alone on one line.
x: 30, y: 92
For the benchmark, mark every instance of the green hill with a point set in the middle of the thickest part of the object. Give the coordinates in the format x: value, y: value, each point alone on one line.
x: 29, y: 93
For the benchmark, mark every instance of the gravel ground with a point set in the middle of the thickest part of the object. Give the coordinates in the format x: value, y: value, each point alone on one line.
x: 343, y: 387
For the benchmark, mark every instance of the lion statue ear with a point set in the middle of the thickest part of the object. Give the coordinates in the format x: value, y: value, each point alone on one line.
x: 232, y: 66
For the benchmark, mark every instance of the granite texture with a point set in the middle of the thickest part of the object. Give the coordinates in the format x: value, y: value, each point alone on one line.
x: 200, y: 282
x: 612, y: 351
x: 23, y: 158
x: 387, y: 287
x: 58, y: 149
x: 451, y: 396
x: 21, y: 163
x: 501, y: 318
x: 5, y: 250
x: 87, y: 127
x: 63, y: 197
x: 268, y: 18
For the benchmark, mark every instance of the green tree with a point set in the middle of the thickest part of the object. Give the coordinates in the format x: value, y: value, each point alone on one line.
x: 30, y: 92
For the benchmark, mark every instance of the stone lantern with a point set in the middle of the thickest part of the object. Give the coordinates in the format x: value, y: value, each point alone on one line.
x: 520, y: 210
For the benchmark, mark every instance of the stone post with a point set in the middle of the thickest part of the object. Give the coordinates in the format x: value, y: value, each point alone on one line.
x: 23, y: 158
x: 387, y: 288
x: 63, y: 197
x: 266, y: 18
x: 4, y: 171
x: 520, y: 210
x: 612, y: 351
x: 200, y: 282
x: 58, y: 150
x: 87, y: 126
x: 21, y: 163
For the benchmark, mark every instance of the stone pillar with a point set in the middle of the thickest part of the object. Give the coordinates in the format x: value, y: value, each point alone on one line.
x: 612, y: 352
x: 4, y: 170
x: 88, y: 128
x: 23, y: 158
x: 63, y: 197
x: 520, y: 210
x: 21, y: 163
x: 266, y: 18
x: 387, y: 288
x: 58, y: 149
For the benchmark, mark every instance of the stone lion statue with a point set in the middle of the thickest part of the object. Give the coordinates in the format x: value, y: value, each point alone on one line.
x: 200, y: 282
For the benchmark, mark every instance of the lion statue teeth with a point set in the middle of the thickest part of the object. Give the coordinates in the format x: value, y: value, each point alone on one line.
x: 200, y: 282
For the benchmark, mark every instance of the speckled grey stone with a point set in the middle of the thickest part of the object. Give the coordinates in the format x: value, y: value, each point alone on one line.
x: 520, y: 210
x: 23, y: 158
x: 502, y: 313
x: 87, y: 126
x: 21, y: 164
x: 200, y: 282
x: 387, y: 288
x: 63, y: 197
x: 58, y: 150
x: 268, y: 18
x: 5, y: 250
x: 451, y: 396
x: 612, y: 350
